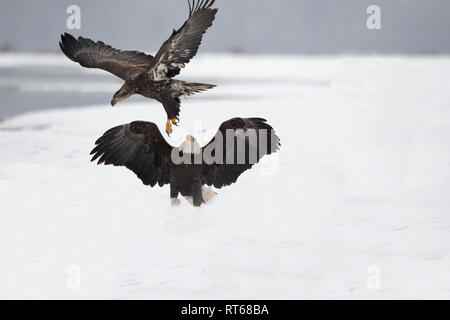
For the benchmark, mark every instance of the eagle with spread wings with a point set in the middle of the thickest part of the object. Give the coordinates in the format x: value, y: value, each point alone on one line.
x: 139, y: 146
x: 149, y: 76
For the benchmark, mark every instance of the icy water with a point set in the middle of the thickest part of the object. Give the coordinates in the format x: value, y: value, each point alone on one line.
x: 31, y: 88
x: 25, y: 89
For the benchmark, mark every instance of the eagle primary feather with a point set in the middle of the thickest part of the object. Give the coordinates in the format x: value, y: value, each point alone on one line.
x: 183, y: 44
x: 90, y: 54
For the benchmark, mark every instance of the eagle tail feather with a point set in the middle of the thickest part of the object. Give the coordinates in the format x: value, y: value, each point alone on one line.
x: 207, y: 193
x: 190, y: 88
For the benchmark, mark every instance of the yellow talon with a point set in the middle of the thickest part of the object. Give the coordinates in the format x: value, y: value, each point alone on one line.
x: 169, y: 123
x: 168, y: 127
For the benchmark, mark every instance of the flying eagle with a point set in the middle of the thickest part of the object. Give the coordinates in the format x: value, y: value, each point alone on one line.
x: 140, y: 147
x: 144, y: 74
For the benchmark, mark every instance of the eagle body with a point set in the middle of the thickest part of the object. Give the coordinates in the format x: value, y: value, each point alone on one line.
x: 140, y: 147
x: 144, y: 74
x: 167, y: 92
x: 186, y: 180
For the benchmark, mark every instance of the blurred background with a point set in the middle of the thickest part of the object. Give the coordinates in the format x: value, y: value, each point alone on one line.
x: 31, y: 30
x: 250, y: 26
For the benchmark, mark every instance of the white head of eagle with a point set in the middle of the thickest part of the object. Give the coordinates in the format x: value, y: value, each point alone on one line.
x: 190, y: 146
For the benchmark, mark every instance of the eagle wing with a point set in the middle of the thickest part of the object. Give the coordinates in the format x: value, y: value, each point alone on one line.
x: 90, y: 54
x: 227, y: 173
x: 140, y: 147
x: 183, y: 44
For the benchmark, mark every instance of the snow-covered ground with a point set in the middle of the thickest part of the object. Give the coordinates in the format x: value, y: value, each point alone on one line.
x: 356, y: 205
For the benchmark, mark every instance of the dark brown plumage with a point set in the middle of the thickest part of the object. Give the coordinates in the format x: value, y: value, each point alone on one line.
x: 140, y: 147
x: 144, y: 74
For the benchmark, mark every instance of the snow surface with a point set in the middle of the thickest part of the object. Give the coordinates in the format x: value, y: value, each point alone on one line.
x: 358, y: 195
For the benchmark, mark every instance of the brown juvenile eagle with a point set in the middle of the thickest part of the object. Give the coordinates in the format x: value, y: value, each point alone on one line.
x: 144, y: 74
x: 140, y: 147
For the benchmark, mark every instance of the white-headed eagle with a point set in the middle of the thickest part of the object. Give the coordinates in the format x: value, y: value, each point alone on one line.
x: 144, y: 74
x: 140, y: 147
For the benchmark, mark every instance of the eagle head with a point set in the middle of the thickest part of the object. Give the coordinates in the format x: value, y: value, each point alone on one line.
x: 190, y: 145
x: 123, y: 93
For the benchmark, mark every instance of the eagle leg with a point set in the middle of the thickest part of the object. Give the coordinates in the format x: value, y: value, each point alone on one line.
x: 197, y: 195
x: 175, y: 202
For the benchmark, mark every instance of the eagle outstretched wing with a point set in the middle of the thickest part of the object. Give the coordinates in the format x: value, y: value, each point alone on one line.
x: 263, y: 142
x: 140, y: 147
x: 90, y: 54
x: 183, y: 44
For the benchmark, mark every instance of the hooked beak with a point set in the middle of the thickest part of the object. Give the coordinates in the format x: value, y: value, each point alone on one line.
x: 114, y: 101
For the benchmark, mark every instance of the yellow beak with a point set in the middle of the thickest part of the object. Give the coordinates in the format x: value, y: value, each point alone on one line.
x: 114, y: 101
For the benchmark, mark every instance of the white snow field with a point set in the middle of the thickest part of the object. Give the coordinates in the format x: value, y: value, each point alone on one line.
x: 355, y: 205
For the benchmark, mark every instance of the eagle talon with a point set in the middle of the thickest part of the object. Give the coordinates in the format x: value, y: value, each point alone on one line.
x: 169, y: 127
x: 169, y: 123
